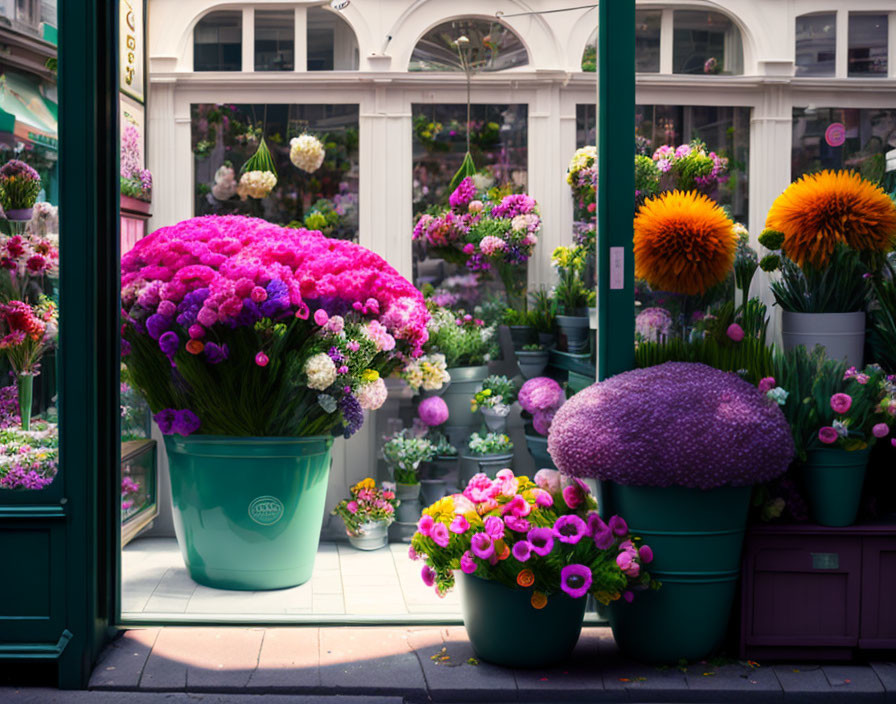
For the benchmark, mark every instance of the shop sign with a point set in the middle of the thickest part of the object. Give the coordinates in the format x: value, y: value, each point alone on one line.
x: 835, y: 134
x: 131, y: 48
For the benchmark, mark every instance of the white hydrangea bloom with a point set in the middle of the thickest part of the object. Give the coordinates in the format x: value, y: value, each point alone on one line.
x: 256, y: 184
x: 306, y: 152
x: 225, y: 183
x: 321, y: 371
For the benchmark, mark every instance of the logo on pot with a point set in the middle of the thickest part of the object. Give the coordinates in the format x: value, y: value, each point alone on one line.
x: 266, y: 510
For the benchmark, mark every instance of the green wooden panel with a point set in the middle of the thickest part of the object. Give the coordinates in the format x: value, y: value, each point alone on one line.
x: 616, y: 121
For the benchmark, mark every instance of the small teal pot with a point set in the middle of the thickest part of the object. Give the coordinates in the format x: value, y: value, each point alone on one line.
x: 505, y: 629
x: 538, y: 448
x: 834, y: 480
x: 248, y: 511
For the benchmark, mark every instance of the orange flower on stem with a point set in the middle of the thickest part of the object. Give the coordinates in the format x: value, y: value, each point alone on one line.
x: 822, y: 210
x: 525, y: 578
x: 684, y: 243
x: 538, y: 600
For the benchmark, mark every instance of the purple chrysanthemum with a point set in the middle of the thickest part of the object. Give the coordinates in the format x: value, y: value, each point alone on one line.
x: 540, y: 394
x: 575, y: 580
x: 570, y: 529
x: 542, y: 540
x: 674, y: 424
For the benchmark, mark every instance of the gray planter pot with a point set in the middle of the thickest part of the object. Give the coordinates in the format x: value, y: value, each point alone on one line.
x: 495, y: 422
x: 409, y: 508
x: 521, y: 335
x: 464, y: 383
x: 547, y: 339
x: 538, y: 448
x: 532, y: 364
x: 841, y: 334
x: 402, y: 532
x: 576, y: 330
x: 431, y: 490
x: 487, y: 464
x: 373, y: 536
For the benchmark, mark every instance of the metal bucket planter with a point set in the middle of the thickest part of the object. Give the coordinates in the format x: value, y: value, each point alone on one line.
x: 576, y: 330
x: 487, y: 464
x: 841, y: 334
x: 373, y: 536
x: 834, y: 480
x: 532, y: 363
x: 248, y: 511
x: 696, y: 537
x: 538, y: 448
x: 408, y: 495
x: 465, y: 381
x: 506, y: 630
x: 495, y: 422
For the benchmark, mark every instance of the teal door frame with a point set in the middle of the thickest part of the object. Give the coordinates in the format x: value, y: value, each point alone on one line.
x: 616, y: 187
x: 59, y: 576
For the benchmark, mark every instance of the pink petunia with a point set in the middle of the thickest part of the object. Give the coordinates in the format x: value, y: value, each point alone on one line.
x: 841, y: 403
x: 459, y: 525
x: 828, y: 435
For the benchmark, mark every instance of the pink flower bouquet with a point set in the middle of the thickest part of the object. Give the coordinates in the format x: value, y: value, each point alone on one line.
x: 234, y: 326
x: 544, y: 536
x: 368, y: 504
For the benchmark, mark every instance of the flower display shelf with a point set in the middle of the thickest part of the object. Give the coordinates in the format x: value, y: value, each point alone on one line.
x: 577, y: 369
x: 810, y: 592
x: 139, y: 487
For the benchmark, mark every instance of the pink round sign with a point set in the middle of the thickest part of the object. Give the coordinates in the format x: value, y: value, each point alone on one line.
x: 835, y: 134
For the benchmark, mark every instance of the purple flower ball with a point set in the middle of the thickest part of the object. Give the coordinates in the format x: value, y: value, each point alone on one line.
x: 433, y: 411
x: 676, y: 424
x: 540, y: 394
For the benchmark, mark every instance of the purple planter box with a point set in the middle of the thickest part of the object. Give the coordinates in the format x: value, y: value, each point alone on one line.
x: 810, y: 592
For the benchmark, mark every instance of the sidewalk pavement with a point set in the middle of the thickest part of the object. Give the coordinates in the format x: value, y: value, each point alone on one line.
x: 378, y: 665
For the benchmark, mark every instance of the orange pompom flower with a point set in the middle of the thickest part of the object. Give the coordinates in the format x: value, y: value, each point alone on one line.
x: 684, y: 243
x: 525, y: 578
x: 820, y: 211
x: 538, y: 600
x: 195, y: 346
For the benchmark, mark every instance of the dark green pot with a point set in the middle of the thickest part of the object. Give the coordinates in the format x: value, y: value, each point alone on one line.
x: 248, y: 511
x: 505, y: 629
x: 538, y: 448
x: 834, y: 480
x: 696, y: 537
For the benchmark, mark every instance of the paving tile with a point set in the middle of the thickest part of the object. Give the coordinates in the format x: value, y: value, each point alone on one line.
x: 886, y: 673
x: 454, y: 679
x: 324, y: 604
x: 122, y: 663
x: 578, y: 679
x: 173, y: 593
x: 29, y: 695
x: 226, y: 659
x: 851, y: 680
x: 808, y: 683
x: 289, y: 659
x: 371, y: 660
x: 733, y: 683
x: 166, y: 668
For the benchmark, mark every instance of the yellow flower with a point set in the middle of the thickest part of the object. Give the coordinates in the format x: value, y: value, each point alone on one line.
x: 370, y: 375
x: 821, y: 210
x: 684, y: 243
x: 487, y: 392
x: 367, y: 483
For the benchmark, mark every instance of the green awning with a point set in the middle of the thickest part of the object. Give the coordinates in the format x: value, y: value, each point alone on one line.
x: 26, y: 113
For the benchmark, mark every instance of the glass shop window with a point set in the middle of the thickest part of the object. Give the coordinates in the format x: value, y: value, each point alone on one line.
x: 843, y: 138
x: 274, y: 40
x: 225, y: 136
x: 647, y: 43
x: 867, y: 45
x: 332, y: 45
x: 218, y: 42
x: 705, y: 43
x: 484, y: 46
x: 816, y: 42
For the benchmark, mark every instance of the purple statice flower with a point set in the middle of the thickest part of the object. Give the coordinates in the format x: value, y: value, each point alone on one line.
x: 433, y: 411
x: 541, y: 540
x: 676, y: 424
x: 575, y: 580
x: 540, y: 394
x: 463, y: 194
x: 352, y: 414
x: 334, y: 354
x: 185, y: 422
x: 215, y: 353
x: 278, y: 299
x: 157, y: 324
x: 9, y: 407
x: 168, y: 343
x: 165, y: 420
x: 570, y: 529
x: 146, y: 179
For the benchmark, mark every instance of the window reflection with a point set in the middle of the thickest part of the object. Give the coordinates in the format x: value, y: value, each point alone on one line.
x: 867, y: 45
x: 816, y: 39
x: 274, y: 40
x: 332, y: 45
x: 218, y: 42
x: 492, y: 46
x: 705, y: 43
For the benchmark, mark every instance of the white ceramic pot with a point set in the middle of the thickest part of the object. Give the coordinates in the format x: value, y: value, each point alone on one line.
x: 494, y: 421
x: 841, y: 334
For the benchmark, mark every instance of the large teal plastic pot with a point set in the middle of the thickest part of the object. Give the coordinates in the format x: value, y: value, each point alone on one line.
x: 834, y: 480
x: 505, y: 629
x: 248, y: 511
x: 696, y: 537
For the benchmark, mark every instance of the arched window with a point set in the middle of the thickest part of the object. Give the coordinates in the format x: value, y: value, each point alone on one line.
x: 332, y: 45
x: 706, y: 43
x: 648, y: 27
x: 218, y: 42
x: 490, y: 46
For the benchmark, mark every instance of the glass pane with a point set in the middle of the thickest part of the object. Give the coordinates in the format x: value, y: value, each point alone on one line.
x: 705, y: 43
x: 226, y: 136
x: 29, y: 273
x: 274, y: 40
x: 498, y: 144
x: 816, y: 39
x: 332, y: 45
x: 647, y: 40
x: 867, y: 45
x: 218, y: 42
x: 838, y: 138
x: 490, y: 46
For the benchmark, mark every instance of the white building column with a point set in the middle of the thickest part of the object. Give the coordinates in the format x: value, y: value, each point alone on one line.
x: 159, y: 155
x: 248, y: 62
x: 300, y: 40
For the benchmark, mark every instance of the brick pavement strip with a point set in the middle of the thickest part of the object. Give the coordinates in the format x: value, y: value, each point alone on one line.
x: 430, y: 663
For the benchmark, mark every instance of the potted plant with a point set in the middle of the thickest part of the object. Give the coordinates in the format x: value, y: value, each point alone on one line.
x: 883, y: 332
x: 573, y: 297
x: 486, y: 453
x: 836, y: 415
x: 467, y: 344
x: 526, y: 554
x: 433, y: 414
x: 826, y: 231
x: 519, y: 322
x: 543, y: 314
x: 30, y: 459
x: 677, y: 448
x: 367, y: 514
x: 427, y: 374
x: 404, y: 452
x: 19, y: 188
x: 253, y: 344
x: 493, y: 399
x: 532, y: 360
x: 540, y: 398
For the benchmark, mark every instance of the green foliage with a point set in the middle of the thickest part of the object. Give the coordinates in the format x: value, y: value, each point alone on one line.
x: 466, y: 345
x: 771, y: 239
x: 511, y: 316
x: 647, y: 178
x: 746, y: 261
x: 490, y: 444
x: 494, y: 390
x: 837, y: 288
x: 404, y: 453
x: 261, y: 160
x: 883, y: 320
x: 467, y: 168
x: 543, y: 310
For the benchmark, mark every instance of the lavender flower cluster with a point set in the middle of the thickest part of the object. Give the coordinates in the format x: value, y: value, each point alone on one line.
x: 678, y: 424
